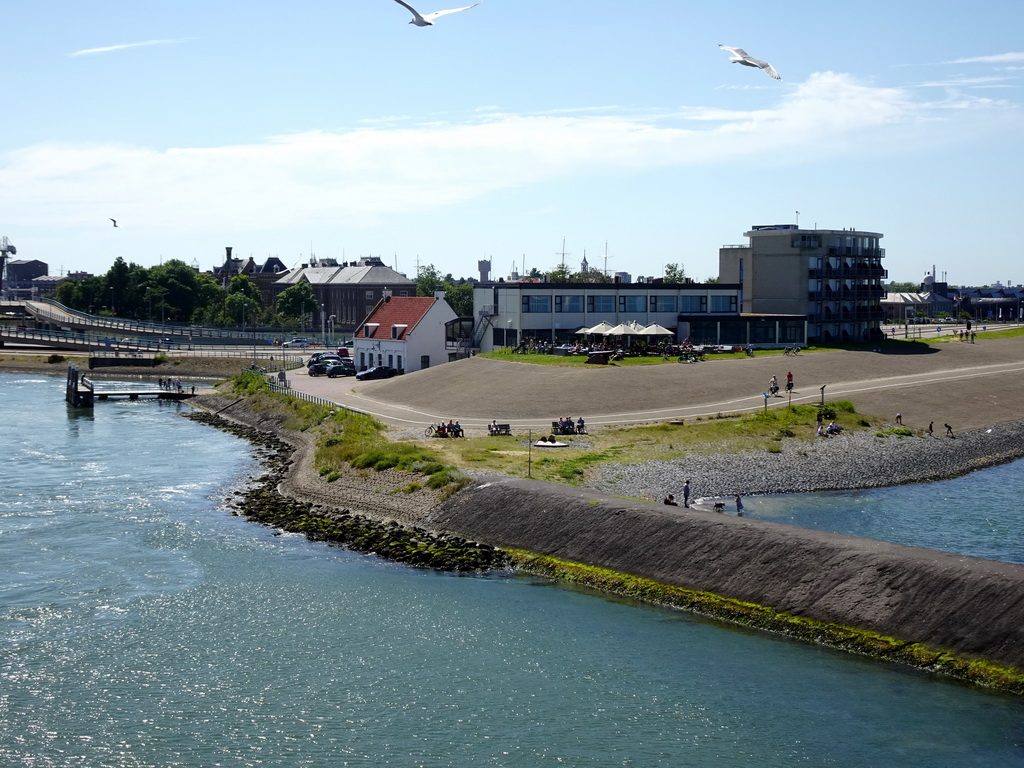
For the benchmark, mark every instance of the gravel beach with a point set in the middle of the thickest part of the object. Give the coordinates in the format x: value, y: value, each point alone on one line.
x: 847, y: 461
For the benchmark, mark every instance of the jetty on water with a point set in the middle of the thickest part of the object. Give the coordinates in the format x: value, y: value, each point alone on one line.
x: 81, y: 391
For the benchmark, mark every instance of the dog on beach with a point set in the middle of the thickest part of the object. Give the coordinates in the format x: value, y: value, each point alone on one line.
x: 719, y: 506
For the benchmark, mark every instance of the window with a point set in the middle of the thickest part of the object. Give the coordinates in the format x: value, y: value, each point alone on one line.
x: 601, y: 304
x: 424, y: 362
x: 632, y: 303
x: 569, y: 303
x: 369, y: 295
x: 370, y: 330
x: 663, y: 303
x: 693, y: 304
x: 723, y: 303
x: 399, y: 366
x: 397, y: 331
x: 536, y: 303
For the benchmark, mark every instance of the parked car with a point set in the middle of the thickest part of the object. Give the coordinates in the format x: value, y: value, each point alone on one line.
x: 322, y: 367
x: 322, y: 357
x: 344, y: 368
x: 297, y: 342
x: 378, y: 372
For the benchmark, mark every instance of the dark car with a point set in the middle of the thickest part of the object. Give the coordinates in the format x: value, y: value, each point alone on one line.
x: 318, y: 369
x: 323, y: 357
x: 344, y: 368
x: 380, y: 372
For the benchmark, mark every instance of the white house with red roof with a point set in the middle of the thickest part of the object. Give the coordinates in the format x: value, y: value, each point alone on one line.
x: 404, y: 332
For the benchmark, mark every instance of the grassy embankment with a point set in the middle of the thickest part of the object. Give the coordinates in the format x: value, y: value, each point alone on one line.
x: 344, y: 437
x: 764, y: 430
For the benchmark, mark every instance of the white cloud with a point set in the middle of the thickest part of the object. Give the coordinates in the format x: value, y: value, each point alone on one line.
x: 123, y: 46
x: 371, y: 173
x: 998, y: 58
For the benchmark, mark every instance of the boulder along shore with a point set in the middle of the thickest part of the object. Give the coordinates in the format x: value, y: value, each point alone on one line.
x: 959, y: 616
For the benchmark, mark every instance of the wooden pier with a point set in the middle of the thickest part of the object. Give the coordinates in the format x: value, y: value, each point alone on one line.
x: 81, y: 391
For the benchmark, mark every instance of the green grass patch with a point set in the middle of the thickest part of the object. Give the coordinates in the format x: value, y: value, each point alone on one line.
x: 760, y: 431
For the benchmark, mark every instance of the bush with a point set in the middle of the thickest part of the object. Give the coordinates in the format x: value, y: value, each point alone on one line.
x: 53, y: 359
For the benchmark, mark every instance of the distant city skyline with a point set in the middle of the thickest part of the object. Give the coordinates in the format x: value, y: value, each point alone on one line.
x: 346, y: 132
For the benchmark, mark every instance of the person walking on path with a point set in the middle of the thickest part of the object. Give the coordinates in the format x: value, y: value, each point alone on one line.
x: 739, y: 505
x: 949, y: 431
x: 931, y: 429
x: 899, y: 419
x: 686, y: 494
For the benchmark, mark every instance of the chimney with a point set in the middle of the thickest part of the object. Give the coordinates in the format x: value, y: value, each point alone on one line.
x: 228, y: 249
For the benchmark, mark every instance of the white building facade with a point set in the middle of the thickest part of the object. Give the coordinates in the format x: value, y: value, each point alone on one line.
x: 704, y: 313
x: 404, y: 332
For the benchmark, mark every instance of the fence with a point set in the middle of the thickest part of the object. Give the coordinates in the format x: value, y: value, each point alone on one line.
x: 284, y: 389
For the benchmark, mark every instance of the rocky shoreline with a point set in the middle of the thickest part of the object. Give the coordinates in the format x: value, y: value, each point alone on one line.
x: 263, y: 502
x: 851, y: 461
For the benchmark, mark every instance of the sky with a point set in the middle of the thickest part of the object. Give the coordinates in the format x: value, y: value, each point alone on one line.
x: 515, y: 131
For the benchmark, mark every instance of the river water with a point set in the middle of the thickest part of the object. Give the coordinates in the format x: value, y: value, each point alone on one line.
x: 141, y: 624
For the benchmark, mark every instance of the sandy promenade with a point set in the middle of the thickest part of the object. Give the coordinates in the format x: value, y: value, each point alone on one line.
x: 969, y: 386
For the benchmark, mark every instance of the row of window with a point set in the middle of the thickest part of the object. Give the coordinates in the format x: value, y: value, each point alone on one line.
x: 578, y: 304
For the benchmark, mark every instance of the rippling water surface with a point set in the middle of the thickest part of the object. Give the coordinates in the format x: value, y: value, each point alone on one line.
x: 142, y: 625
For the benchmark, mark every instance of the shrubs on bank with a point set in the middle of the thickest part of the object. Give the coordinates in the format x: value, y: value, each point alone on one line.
x: 346, y: 437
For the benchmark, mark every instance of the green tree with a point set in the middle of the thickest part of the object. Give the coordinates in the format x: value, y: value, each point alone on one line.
x: 117, y: 281
x: 902, y: 287
x: 297, y: 301
x: 460, y: 298
x: 428, y: 280
x: 560, y: 274
x: 242, y: 309
x: 675, y: 273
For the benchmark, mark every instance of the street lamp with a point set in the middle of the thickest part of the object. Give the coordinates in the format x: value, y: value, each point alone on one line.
x: 323, y: 332
x: 823, y: 395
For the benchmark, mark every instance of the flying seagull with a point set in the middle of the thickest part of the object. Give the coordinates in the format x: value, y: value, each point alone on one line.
x: 739, y: 56
x: 115, y: 222
x: 428, y: 19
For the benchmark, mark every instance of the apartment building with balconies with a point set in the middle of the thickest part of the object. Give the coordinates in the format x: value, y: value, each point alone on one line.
x: 833, y: 276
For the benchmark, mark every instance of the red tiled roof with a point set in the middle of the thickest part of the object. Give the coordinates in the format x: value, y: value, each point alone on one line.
x: 400, y: 310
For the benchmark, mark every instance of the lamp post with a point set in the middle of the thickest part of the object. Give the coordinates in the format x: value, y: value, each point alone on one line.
x: 823, y: 395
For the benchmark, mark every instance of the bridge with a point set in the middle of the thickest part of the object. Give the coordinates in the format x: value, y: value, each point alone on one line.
x: 46, y: 323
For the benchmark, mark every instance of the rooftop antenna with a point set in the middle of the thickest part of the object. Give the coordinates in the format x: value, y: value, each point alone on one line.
x: 563, y: 254
x: 606, y: 258
x: 798, y: 219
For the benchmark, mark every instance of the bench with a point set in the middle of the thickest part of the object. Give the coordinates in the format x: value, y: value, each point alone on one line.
x: 559, y: 430
x: 503, y: 429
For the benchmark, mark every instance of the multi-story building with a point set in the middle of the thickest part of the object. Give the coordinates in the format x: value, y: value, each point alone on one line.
x: 832, y: 276
x: 348, y: 292
x: 705, y: 313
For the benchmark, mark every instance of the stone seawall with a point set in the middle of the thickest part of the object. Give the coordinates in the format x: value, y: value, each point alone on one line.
x: 970, y: 607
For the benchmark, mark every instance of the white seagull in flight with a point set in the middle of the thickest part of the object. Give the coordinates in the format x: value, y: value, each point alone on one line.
x: 428, y: 19
x: 739, y: 56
